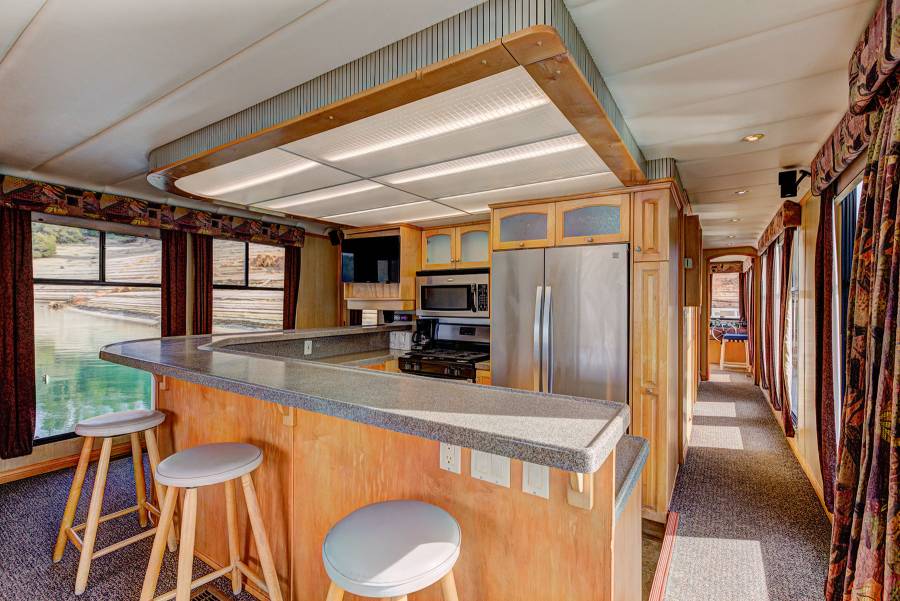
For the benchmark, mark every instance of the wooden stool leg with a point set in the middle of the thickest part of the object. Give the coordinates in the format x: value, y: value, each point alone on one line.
x: 186, y: 551
x: 74, y: 495
x: 448, y: 587
x: 335, y: 593
x: 93, y: 519
x: 722, y: 355
x: 159, y: 544
x: 140, y: 488
x: 262, y: 543
x: 153, y: 454
x: 747, y: 355
x: 403, y: 598
x: 233, y: 552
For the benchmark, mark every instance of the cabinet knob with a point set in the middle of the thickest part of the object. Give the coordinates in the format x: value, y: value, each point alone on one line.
x: 637, y: 248
x: 590, y: 239
x: 521, y: 244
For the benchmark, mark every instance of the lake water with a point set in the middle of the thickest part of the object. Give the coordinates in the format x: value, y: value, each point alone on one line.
x: 73, y: 383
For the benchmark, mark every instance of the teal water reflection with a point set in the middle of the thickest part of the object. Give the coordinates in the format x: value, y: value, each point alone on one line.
x: 73, y: 383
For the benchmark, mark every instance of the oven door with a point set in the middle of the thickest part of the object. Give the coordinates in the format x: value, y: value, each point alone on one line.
x: 453, y: 296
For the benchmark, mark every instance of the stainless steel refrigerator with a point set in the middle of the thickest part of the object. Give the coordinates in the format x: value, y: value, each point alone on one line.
x: 559, y: 320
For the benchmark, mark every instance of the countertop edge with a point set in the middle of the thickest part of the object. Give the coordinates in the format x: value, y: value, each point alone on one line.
x: 633, y: 474
x: 583, y: 460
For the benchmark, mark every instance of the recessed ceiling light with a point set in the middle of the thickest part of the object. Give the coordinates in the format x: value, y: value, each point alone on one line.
x: 262, y: 177
x: 731, y: 235
x: 324, y: 194
x: 735, y: 219
x: 753, y: 138
x: 741, y: 192
x: 489, y: 159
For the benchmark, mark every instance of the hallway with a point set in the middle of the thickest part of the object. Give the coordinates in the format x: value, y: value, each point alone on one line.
x: 750, y: 526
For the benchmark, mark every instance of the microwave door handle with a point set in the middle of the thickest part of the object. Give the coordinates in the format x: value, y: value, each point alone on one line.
x: 547, y: 350
x: 536, y: 362
x: 473, y: 297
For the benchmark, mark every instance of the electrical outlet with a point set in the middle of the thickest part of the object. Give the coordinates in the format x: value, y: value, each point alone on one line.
x: 536, y: 479
x: 307, y: 347
x: 490, y: 468
x: 451, y: 458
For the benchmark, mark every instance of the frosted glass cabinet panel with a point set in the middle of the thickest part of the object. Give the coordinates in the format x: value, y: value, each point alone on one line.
x: 598, y: 220
x: 473, y: 244
x: 438, y: 248
x: 529, y: 226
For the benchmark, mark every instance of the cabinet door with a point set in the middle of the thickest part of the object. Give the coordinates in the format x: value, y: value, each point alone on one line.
x: 473, y: 245
x: 593, y: 220
x: 649, y: 387
x: 530, y: 226
x: 438, y: 248
x: 651, y: 225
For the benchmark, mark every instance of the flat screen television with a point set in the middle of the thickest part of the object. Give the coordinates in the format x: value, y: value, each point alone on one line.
x: 371, y: 260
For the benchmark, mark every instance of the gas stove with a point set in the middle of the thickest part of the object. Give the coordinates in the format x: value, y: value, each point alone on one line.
x: 452, y: 355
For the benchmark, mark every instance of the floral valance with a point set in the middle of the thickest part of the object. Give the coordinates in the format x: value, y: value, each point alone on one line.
x: 726, y: 267
x: 787, y: 216
x: 875, y: 57
x: 848, y: 140
x: 40, y: 197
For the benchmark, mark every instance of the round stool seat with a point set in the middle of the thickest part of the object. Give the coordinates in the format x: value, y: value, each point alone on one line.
x: 391, y: 549
x: 208, y: 464
x: 120, y: 422
x: 735, y: 337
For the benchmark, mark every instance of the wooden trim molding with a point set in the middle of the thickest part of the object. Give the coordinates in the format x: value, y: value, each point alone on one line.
x: 539, y: 49
x: 661, y: 577
x: 58, y: 463
x: 787, y: 216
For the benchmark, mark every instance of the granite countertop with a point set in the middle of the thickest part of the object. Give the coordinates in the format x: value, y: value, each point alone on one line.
x: 564, y: 432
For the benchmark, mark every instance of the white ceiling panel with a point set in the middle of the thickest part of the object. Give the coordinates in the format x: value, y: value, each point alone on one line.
x: 773, y: 158
x: 16, y: 16
x: 744, y: 64
x: 347, y: 198
x: 408, y: 213
x: 271, y: 174
x: 479, y: 201
x: 728, y: 196
x: 108, y: 59
x: 334, y: 33
x: 506, y: 109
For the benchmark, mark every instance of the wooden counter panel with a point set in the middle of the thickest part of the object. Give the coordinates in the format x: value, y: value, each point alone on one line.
x: 515, y: 546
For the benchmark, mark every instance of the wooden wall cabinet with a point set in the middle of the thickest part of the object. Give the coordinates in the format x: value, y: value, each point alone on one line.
x: 693, y: 254
x: 651, y: 225
x: 394, y: 296
x: 527, y: 226
x: 598, y: 220
x: 459, y: 247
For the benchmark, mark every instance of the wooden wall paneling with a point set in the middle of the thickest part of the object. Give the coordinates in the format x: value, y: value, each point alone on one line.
x: 650, y: 225
x: 627, y: 562
x: 693, y: 250
x: 410, y: 260
x: 320, y: 294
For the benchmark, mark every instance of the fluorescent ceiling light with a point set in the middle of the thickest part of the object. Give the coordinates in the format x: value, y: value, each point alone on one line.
x: 324, y: 194
x: 262, y: 177
x: 453, y: 123
x: 489, y: 159
x: 394, y: 207
x: 520, y: 187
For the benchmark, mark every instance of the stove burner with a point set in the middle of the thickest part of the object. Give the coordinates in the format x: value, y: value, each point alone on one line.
x: 456, y: 364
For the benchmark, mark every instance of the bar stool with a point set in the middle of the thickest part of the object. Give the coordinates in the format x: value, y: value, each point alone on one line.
x: 106, y: 427
x: 190, y: 469
x: 735, y: 337
x: 391, y: 550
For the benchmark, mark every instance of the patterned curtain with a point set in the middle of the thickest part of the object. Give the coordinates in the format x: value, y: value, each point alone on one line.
x: 202, y: 251
x: 865, y: 547
x: 17, y: 387
x: 786, y: 420
x: 824, y: 291
x: 174, y: 283
x: 769, y: 329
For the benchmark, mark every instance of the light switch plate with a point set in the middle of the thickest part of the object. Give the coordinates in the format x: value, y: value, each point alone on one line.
x: 536, y: 479
x: 490, y: 468
x: 307, y: 347
x: 451, y: 458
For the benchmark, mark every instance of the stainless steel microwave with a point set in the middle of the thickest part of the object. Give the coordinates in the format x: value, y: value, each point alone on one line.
x: 453, y: 293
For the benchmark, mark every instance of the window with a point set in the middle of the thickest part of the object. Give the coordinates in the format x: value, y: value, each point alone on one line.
x: 91, y: 288
x: 725, y: 296
x: 763, y: 315
x: 792, y: 325
x: 248, y: 286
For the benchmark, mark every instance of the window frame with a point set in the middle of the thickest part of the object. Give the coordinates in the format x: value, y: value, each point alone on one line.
x: 101, y: 281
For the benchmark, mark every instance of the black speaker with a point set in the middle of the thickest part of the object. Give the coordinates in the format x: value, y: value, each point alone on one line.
x: 336, y: 236
x: 787, y: 180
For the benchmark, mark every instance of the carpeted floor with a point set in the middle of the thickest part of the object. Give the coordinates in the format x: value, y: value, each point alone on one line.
x: 30, y: 511
x: 750, y: 526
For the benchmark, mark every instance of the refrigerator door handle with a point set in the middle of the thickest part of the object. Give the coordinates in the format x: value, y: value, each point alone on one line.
x: 536, y: 363
x: 547, y: 350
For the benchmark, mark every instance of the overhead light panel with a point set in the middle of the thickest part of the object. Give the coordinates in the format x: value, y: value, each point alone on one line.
x: 520, y: 188
x: 325, y: 194
x: 262, y: 176
x: 391, y: 208
x: 489, y: 159
x: 753, y: 137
